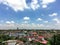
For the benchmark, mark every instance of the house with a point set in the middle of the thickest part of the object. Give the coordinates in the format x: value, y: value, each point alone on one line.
x: 36, y: 38
x: 13, y: 42
x: 33, y: 34
x: 41, y: 40
x: 17, y: 34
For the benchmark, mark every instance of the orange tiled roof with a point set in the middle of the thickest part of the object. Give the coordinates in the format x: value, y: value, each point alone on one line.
x: 43, y: 42
x: 40, y: 37
x: 34, y: 33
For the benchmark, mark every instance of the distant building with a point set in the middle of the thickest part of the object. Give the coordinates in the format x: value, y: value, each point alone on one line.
x: 17, y: 34
x: 13, y: 42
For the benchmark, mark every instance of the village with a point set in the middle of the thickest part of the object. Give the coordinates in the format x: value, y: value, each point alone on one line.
x: 27, y: 37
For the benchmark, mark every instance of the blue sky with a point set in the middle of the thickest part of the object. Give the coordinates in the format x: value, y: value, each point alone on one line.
x: 30, y: 14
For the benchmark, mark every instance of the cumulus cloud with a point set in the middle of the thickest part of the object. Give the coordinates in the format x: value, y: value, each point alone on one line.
x: 1, y: 1
x: 40, y: 25
x: 57, y: 20
x: 53, y: 14
x: 21, y: 5
x: 34, y: 4
x: 8, y: 25
x: 26, y: 18
x: 32, y: 26
x: 16, y: 4
x: 44, y: 6
x: 28, y: 26
x: 10, y: 22
x: 45, y: 21
x: 39, y: 19
x: 46, y: 2
x: 25, y: 22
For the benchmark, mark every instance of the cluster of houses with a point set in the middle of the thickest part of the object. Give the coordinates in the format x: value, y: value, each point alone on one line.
x: 36, y: 38
x: 30, y: 36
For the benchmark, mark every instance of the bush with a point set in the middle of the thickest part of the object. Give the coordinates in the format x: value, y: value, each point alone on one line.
x: 55, y: 40
x: 23, y: 39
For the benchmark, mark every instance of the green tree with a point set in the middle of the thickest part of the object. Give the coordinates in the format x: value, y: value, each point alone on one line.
x: 58, y: 39
x: 55, y: 40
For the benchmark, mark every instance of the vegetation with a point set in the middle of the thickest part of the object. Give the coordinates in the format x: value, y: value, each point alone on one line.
x: 54, y: 40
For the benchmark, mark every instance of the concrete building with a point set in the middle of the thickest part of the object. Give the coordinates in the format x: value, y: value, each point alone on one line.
x: 13, y: 42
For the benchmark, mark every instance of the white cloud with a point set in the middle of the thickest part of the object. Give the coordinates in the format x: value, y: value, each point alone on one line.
x: 10, y: 22
x: 16, y: 4
x: 40, y: 25
x: 8, y: 25
x: 21, y: 5
x: 29, y: 26
x: 45, y: 21
x: 34, y: 4
x: 0, y: 1
x: 33, y: 25
x: 57, y: 20
x: 46, y: 2
x: 53, y: 14
x: 25, y: 22
x: 44, y: 6
x: 26, y: 18
x: 39, y: 19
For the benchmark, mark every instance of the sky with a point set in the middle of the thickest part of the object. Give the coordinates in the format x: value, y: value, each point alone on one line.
x: 30, y: 14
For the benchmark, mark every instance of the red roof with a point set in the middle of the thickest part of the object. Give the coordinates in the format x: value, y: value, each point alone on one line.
x: 40, y: 37
x: 44, y: 42
x: 33, y: 33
